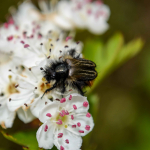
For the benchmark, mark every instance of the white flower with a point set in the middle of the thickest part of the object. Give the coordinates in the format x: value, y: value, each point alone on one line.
x: 51, y: 46
x: 86, y: 14
x: 34, y: 84
x: 28, y: 15
x: 64, y: 123
x: 7, y: 89
x: 9, y: 56
x: 66, y: 15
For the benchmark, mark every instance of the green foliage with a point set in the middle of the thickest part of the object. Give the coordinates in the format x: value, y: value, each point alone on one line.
x: 111, y: 55
x: 25, y: 139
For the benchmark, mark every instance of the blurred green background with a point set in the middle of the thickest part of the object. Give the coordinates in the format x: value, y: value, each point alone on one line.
x: 123, y: 118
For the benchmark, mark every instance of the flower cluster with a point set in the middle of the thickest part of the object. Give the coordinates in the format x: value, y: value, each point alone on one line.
x: 32, y: 40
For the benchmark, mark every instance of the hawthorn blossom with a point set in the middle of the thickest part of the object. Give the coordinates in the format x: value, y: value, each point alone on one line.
x: 8, y: 57
x: 67, y: 15
x: 33, y: 84
x: 64, y: 123
x: 86, y: 14
x: 54, y: 45
x: 7, y: 89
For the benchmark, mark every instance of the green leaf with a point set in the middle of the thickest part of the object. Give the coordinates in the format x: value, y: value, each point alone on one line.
x: 26, y: 139
x: 110, y: 56
x: 130, y: 50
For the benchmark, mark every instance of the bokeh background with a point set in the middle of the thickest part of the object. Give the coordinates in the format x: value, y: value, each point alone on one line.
x: 123, y: 118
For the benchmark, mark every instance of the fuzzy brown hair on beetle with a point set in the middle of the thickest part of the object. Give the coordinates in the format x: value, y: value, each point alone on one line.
x: 71, y: 71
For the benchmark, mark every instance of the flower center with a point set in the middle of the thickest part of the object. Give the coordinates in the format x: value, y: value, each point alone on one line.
x: 11, y: 89
x: 44, y: 86
x: 61, y: 119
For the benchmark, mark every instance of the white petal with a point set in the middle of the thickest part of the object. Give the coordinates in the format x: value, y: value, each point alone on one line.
x: 37, y: 71
x: 20, y: 100
x: 84, y: 121
x: 77, y: 100
x: 45, y: 139
x: 7, y: 117
x: 63, y: 22
x: 49, y: 108
x: 25, y: 116
x: 75, y: 141
x: 38, y: 105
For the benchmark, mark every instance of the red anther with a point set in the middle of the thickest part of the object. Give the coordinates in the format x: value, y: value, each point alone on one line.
x: 67, y: 141
x: 73, y: 126
x: 68, y: 38
x: 88, y: 115
x: 62, y: 100
x: 62, y: 148
x: 46, y: 128
x: 22, y: 42
x: 75, y: 107
x: 60, y: 135
x: 10, y: 38
x: 79, y: 124
x: 81, y: 131
x: 59, y: 122
x: 72, y: 117
x: 87, y: 127
x: 26, y: 45
x: 70, y: 97
x: 85, y: 104
x: 48, y: 115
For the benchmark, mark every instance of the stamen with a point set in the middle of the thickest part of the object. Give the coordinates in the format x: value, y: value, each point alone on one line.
x: 62, y: 148
x: 60, y: 135
x: 79, y: 124
x: 46, y: 128
x: 85, y: 104
x: 66, y: 46
x: 57, y: 99
x: 66, y: 112
x: 70, y: 97
x: 16, y: 85
x: 62, y: 100
x: 68, y: 38
x: 48, y: 115
x: 26, y: 45
x: 72, y: 117
x: 73, y: 126
x: 88, y: 115
x: 10, y: 38
x: 22, y: 42
x: 81, y: 131
x: 25, y: 104
x: 61, y: 114
x: 67, y: 141
x: 59, y: 122
x: 87, y: 127
x: 75, y: 107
